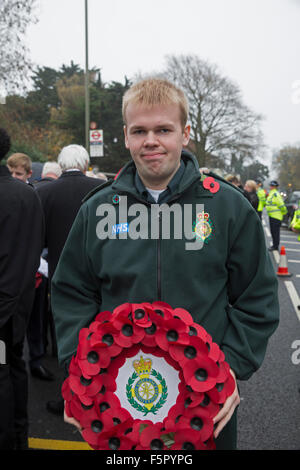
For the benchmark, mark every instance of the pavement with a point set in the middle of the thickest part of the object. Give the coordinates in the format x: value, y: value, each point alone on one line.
x: 269, y: 413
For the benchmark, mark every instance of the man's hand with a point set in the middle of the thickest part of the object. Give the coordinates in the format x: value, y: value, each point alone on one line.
x: 227, y: 410
x: 72, y: 421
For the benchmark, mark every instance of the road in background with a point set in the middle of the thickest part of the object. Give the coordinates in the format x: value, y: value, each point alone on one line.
x: 269, y: 413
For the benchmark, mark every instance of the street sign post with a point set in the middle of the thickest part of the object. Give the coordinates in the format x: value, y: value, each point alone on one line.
x: 96, y: 143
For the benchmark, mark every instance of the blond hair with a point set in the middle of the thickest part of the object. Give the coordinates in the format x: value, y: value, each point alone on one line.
x: 252, y: 184
x: 20, y: 159
x: 156, y: 91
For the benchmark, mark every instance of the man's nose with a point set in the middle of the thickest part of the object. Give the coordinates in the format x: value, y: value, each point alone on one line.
x: 150, y: 139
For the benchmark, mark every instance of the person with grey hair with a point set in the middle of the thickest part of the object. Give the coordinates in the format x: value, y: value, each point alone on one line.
x: 61, y: 200
x: 74, y: 157
x: 51, y: 170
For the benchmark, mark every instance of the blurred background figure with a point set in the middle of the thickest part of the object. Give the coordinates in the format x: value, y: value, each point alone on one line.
x: 21, y: 219
x: 39, y: 318
x: 276, y: 209
x: 250, y: 187
x: 261, y: 194
x: 61, y: 200
x: 51, y: 171
x: 295, y: 224
x: 20, y: 166
x: 233, y: 180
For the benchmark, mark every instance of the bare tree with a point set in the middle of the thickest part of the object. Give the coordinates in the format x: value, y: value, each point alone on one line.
x: 223, y: 129
x: 15, y: 16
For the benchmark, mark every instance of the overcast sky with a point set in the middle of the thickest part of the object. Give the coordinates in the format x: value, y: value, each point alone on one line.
x: 256, y: 43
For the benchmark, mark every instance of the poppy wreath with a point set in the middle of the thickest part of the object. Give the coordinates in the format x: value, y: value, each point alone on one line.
x: 159, y: 331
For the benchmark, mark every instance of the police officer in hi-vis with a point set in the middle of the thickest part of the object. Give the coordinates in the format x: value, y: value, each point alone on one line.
x: 276, y: 209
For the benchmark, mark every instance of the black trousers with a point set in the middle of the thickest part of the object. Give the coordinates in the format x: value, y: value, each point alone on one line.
x: 275, y: 225
x: 36, y: 324
x: 13, y: 392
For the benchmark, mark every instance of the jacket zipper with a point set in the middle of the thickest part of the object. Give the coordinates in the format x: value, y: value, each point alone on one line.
x: 159, y: 258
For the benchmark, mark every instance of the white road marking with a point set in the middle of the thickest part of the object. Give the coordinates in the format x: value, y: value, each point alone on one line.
x: 267, y: 232
x: 276, y: 256
x: 286, y: 241
x: 294, y: 260
x: 293, y: 296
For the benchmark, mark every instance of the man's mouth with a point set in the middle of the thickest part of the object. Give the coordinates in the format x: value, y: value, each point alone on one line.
x: 152, y: 156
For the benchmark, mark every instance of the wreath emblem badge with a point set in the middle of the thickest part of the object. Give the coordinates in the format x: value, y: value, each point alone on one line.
x: 144, y: 393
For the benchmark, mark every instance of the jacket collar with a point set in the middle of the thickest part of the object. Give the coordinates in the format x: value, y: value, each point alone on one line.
x: 65, y: 174
x: 4, y: 171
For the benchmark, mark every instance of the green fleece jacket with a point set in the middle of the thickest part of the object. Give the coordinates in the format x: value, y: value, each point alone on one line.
x: 228, y: 284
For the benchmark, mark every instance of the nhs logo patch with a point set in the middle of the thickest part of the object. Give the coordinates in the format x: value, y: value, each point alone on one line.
x: 119, y: 228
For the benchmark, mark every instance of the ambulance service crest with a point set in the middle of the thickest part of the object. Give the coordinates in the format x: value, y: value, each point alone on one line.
x: 203, y: 227
x: 146, y: 388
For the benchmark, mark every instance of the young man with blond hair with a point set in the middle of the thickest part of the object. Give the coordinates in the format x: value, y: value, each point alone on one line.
x: 228, y: 289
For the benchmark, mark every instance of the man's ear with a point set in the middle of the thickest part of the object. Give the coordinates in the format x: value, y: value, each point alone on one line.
x: 186, y: 135
x: 125, y: 136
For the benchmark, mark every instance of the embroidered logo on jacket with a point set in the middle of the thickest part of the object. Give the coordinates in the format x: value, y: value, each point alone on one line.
x: 203, y: 227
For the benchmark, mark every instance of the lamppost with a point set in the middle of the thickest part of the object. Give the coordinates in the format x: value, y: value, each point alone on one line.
x: 87, y: 94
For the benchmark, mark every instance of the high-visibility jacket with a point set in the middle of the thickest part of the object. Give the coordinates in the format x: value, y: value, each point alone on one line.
x: 295, y: 224
x: 261, y: 199
x: 275, y: 206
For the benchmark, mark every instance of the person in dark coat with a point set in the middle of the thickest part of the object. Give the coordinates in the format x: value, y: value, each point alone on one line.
x: 21, y: 236
x: 61, y: 200
x: 36, y: 330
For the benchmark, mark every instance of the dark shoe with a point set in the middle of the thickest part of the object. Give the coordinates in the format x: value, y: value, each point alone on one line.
x: 56, y: 407
x: 41, y: 373
x: 272, y: 248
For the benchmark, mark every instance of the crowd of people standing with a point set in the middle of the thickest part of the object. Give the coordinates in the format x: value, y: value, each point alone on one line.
x: 38, y: 215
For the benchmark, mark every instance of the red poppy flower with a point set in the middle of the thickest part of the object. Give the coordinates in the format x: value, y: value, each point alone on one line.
x: 163, y: 310
x: 90, y: 357
x: 102, y: 317
x: 129, y: 334
x: 106, y: 333
x: 210, y: 184
x: 117, y: 437
x: 201, y: 374
x: 197, y: 419
x: 150, y: 437
x: 140, y: 315
x: 187, y: 439
x: 85, y: 387
x: 222, y: 391
x: 184, y: 315
x: 175, y: 413
x: 172, y: 331
x: 184, y: 353
x: 107, y: 401
x: 94, y: 424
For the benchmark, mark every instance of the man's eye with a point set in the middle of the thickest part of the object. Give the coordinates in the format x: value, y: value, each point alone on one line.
x: 164, y: 131
x: 138, y: 131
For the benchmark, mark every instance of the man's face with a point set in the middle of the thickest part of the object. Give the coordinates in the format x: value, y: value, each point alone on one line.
x: 155, y: 138
x: 19, y: 172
